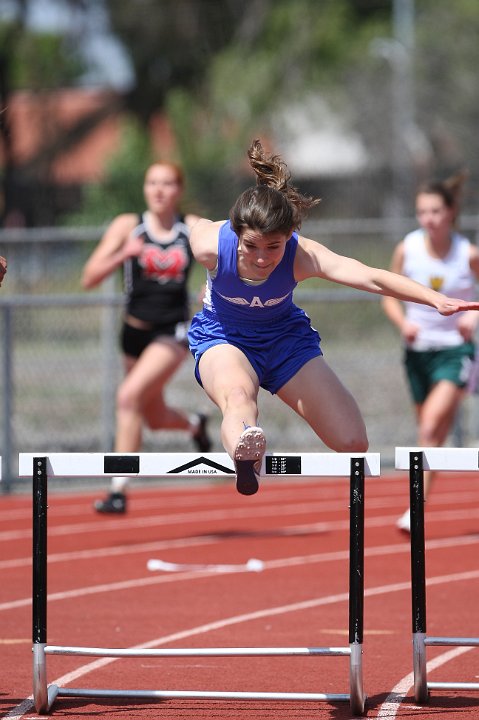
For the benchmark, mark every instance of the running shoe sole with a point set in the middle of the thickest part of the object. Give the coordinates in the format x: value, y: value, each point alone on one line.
x: 247, y: 458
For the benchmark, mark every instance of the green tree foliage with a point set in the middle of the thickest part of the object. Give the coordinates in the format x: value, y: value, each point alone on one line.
x: 39, y: 61
x: 447, y: 59
x: 170, y: 43
x: 280, y: 57
x: 223, y: 70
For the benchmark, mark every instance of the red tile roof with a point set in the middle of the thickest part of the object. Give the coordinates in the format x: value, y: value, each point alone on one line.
x: 36, y: 120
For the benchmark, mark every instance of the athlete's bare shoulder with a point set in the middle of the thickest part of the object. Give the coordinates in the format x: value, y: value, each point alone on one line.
x: 123, y: 224
x: 204, y: 242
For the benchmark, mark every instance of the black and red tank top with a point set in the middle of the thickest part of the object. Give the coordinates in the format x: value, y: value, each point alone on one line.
x: 156, y: 280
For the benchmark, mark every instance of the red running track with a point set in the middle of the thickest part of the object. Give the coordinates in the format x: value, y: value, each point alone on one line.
x: 102, y: 594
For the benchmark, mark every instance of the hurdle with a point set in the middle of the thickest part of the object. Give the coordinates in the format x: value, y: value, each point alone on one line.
x: 416, y: 461
x: 211, y: 465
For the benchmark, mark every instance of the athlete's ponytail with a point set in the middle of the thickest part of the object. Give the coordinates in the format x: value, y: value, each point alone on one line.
x: 274, y: 205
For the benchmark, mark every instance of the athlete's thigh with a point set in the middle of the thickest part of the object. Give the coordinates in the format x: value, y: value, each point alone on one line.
x: 441, y: 403
x: 224, y: 367
x: 317, y: 394
x: 155, y: 366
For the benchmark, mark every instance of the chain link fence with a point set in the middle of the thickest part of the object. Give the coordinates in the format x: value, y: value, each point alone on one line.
x: 60, y: 363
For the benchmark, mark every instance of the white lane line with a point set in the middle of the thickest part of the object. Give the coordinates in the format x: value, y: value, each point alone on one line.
x: 327, y: 493
x: 441, y: 516
x: 390, y: 706
x: 176, y: 503
x: 171, y: 578
x: 334, y: 556
x: 121, y: 550
x: 200, y: 516
x: 328, y: 499
x: 291, y: 530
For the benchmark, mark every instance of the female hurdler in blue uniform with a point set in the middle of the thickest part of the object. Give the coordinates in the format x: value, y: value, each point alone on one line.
x: 251, y: 335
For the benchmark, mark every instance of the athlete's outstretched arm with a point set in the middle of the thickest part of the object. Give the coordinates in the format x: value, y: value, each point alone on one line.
x: 315, y: 260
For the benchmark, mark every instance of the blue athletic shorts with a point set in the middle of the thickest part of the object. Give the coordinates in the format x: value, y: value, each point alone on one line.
x: 275, y: 349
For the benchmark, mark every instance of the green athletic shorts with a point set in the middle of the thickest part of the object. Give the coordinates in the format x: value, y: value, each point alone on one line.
x: 425, y: 368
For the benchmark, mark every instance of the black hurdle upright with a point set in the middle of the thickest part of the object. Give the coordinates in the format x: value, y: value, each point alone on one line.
x: 356, y: 583
x: 39, y: 585
x: 418, y: 574
x: 45, y: 695
x: 418, y: 577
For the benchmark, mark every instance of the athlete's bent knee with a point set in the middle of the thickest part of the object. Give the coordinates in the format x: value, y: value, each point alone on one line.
x: 428, y: 434
x: 126, y: 400
x: 351, y: 443
x: 237, y: 396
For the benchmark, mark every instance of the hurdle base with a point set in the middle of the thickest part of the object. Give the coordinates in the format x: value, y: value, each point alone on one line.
x: 462, y: 641
x: 453, y: 686
x: 421, y: 694
x: 199, y: 652
x: 201, y: 695
x: 45, y: 696
x: 40, y: 690
x: 356, y: 685
x: 422, y: 687
x: 54, y: 692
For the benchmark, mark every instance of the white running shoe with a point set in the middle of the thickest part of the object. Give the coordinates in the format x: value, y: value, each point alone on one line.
x: 404, y: 522
x: 248, y: 455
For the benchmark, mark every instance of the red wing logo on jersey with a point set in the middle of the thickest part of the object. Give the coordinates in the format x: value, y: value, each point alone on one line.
x: 163, y: 265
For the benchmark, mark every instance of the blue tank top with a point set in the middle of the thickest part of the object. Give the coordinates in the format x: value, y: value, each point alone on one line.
x: 233, y: 300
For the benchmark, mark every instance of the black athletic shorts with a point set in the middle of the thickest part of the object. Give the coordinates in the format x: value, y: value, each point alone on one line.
x: 134, y: 340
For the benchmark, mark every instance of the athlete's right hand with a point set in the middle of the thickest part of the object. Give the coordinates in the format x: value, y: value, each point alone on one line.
x: 409, y: 331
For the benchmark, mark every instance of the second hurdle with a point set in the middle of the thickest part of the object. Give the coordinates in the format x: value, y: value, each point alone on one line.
x: 167, y: 465
x: 416, y: 461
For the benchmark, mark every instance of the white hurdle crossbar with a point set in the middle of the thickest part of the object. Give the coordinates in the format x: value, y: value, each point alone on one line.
x: 416, y: 461
x: 41, y: 466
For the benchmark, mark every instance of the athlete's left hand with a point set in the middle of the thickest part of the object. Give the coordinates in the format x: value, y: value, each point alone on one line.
x: 449, y: 306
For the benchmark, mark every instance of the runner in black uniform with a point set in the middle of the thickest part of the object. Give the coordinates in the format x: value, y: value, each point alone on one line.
x: 156, y: 288
x: 154, y: 251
